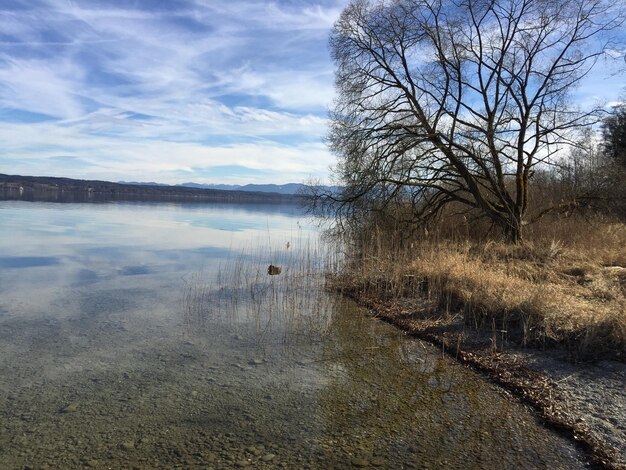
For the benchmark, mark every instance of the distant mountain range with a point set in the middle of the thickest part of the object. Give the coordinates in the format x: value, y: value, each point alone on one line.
x: 289, y: 188
x: 46, y: 188
x: 286, y: 189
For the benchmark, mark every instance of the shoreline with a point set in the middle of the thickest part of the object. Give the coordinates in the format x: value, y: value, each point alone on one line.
x: 531, y: 375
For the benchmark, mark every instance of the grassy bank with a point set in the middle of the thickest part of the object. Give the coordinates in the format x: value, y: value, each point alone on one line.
x: 565, y: 286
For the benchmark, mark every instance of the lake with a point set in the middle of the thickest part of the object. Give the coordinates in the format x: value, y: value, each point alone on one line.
x: 149, y: 335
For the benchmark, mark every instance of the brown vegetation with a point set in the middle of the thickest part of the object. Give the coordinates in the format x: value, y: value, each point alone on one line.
x: 564, y: 286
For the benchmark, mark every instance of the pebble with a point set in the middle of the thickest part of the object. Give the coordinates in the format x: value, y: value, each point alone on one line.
x: 71, y: 408
x: 242, y: 463
x: 268, y: 457
x: 128, y: 445
x: 357, y: 462
x: 377, y: 462
x: 255, y: 362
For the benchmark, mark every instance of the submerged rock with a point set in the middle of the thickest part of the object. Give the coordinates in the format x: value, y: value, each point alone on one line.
x: 357, y: 462
x: 128, y: 445
x: 69, y: 408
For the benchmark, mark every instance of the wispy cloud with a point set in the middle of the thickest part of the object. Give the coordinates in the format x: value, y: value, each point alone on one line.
x: 168, y: 92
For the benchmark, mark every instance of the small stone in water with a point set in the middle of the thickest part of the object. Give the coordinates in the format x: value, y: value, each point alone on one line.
x: 359, y: 462
x: 268, y: 457
x: 71, y: 408
x: 128, y: 445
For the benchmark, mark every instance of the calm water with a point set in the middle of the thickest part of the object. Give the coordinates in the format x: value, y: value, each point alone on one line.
x: 150, y: 336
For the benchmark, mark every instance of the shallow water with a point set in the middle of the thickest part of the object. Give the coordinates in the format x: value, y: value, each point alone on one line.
x: 149, y: 335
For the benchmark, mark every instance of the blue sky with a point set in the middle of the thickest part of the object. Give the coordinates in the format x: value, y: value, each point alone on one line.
x: 171, y: 91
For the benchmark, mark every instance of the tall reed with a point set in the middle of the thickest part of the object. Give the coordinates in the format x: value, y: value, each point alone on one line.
x: 287, y: 308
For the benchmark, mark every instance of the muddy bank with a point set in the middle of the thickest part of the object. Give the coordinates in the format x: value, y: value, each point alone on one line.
x: 584, y: 401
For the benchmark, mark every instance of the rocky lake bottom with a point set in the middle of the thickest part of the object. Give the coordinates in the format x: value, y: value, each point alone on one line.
x: 112, y: 393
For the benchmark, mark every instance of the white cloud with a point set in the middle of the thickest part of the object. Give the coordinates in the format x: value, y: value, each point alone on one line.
x: 286, y: 88
x: 272, y: 15
x: 146, y: 94
x: 116, y: 158
x: 41, y: 86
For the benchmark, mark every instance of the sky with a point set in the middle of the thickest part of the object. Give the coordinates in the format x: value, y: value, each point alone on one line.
x: 209, y: 91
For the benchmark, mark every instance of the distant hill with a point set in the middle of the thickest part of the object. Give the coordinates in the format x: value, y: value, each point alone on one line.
x: 46, y: 188
x: 289, y: 188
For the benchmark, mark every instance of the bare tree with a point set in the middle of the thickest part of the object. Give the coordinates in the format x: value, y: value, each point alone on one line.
x: 457, y: 101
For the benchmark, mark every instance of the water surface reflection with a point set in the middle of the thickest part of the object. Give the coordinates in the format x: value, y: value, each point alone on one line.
x: 104, y: 365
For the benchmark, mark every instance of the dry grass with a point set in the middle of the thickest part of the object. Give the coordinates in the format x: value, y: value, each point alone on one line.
x: 565, y: 285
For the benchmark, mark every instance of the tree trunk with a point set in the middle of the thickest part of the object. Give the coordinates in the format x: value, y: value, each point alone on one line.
x: 513, y: 229
x: 511, y: 226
